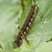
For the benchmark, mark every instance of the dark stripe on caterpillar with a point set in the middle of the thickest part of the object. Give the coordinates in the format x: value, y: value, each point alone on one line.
x: 26, y: 26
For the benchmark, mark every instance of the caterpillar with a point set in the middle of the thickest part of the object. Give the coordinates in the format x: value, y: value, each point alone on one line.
x: 26, y: 25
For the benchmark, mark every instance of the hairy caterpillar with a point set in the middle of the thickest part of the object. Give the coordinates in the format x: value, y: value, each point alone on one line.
x: 22, y: 34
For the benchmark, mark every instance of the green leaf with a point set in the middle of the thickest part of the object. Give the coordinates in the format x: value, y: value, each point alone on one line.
x: 45, y: 47
x: 40, y: 30
x: 12, y: 15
